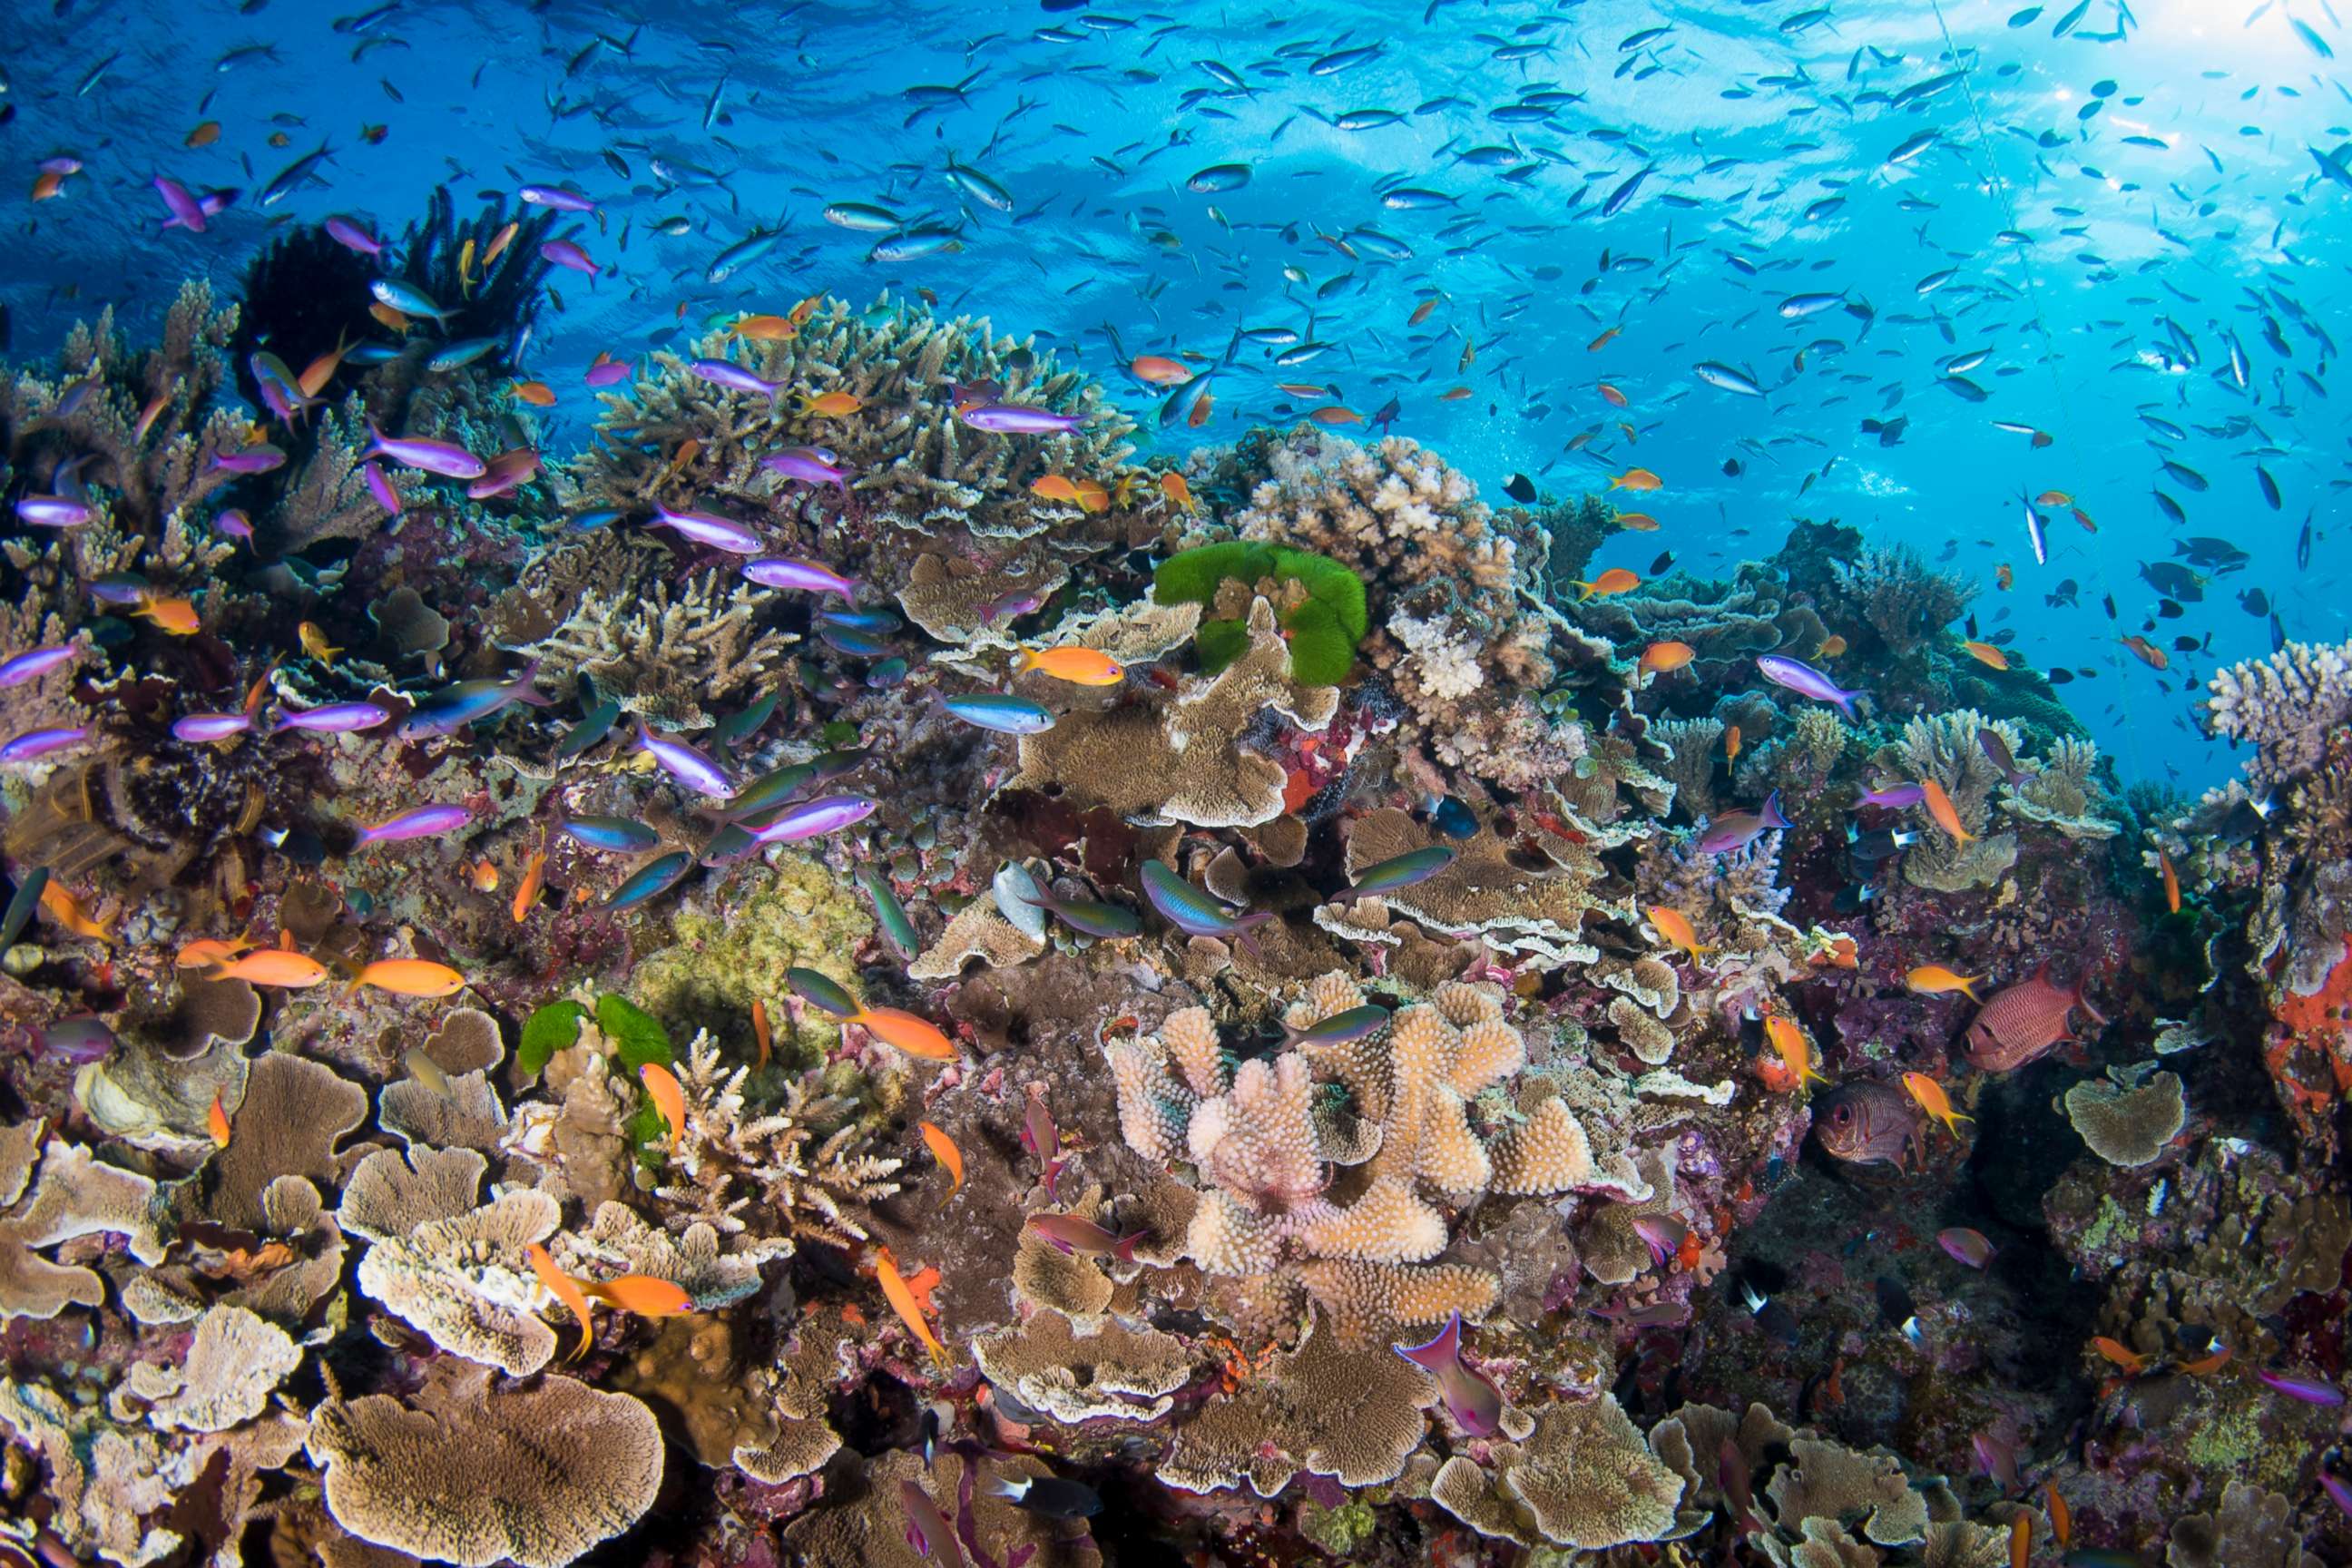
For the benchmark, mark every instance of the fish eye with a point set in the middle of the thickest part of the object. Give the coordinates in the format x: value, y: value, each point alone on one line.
x: 1842, y: 1115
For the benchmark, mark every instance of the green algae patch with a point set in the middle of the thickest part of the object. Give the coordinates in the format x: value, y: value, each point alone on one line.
x: 1323, y: 630
x: 723, y: 958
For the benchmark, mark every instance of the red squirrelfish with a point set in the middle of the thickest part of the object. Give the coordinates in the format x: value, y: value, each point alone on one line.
x: 2022, y: 1023
x: 1869, y: 1123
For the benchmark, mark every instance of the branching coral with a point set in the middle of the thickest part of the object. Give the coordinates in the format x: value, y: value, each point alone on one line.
x: 1943, y: 747
x: 801, y: 1165
x: 2283, y: 706
x: 1453, y: 591
x: 670, y: 655
x: 1903, y: 600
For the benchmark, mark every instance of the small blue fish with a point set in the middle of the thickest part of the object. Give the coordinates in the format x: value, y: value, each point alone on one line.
x: 616, y: 834
x: 447, y: 711
x: 890, y: 914
x: 1189, y: 910
x: 996, y: 711
x: 651, y: 880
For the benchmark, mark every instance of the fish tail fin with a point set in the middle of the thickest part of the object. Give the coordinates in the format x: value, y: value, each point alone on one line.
x: 1440, y: 1351
x: 1124, y: 1248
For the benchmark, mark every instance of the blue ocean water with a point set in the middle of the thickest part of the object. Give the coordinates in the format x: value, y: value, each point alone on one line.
x: 1910, y: 236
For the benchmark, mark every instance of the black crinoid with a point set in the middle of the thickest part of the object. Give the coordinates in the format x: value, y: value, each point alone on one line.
x: 499, y: 300
x: 303, y: 295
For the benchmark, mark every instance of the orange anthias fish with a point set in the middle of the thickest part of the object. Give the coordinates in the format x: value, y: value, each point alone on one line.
x: 320, y: 370
x: 1933, y: 980
x: 1454, y: 394
x: 1421, y: 311
x: 216, y: 1123
x: 2004, y: 577
x: 1603, y: 340
x: 538, y: 393
x: 482, y: 875
x: 1636, y: 479
x: 832, y: 404
x: 272, y: 966
x: 1307, y: 388
x: 2207, y: 1365
x: 498, y: 243
x: 2062, y: 1518
x: 1616, y: 580
x: 1662, y: 657
x: 1201, y: 410
x: 410, y: 977
x: 66, y: 910
x: 901, y: 1297
x: 175, y: 616
x: 203, y: 135
x: 645, y: 1295
x: 1334, y: 414
x: 906, y: 1032
x: 1676, y: 927
x: 2021, y: 1541
x: 1638, y: 522
x: 668, y: 1098
x: 566, y: 1289
x: 2147, y: 652
x: 764, y: 328
x: 1731, y: 745
x: 1172, y: 486
x: 950, y: 1157
x: 1940, y: 806
x: 534, y: 878
x: 1079, y: 666
x: 1158, y: 370
x: 1616, y: 398
x: 2172, y: 882
x: 2131, y: 1360
x: 1929, y: 1095
x: 1796, y: 1051
x: 763, y: 1036
x: 1055, y: 487
x: 2054, y: 498
x: 1984, y: 652
x: 1831, y: 645
x: 207, y: 950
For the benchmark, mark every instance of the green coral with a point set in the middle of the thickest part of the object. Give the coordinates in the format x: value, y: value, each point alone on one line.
x: 1339, y: 1531
x: 1323, y: 630
x: 726, y: 957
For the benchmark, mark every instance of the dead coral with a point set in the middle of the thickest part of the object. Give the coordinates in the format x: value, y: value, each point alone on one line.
x: 224, y: 1380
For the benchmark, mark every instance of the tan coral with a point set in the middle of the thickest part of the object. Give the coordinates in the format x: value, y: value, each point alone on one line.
x: 1582, y: 1479
x: 75, y: 1195
x: 466, y: 1283
x: 392, y: 1192
x: 976, y: 933
x: 1483, y: 891
x: 2127, y: 1122
x: 538, y: 1473
x: 223, y: 1380
x: 294, y: 1114
x: 1352, y: 1414
x: 1116, y: 1372
x: 1179, y: 760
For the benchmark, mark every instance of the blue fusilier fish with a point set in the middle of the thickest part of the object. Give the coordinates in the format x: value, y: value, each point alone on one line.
x: 447, y: 711
x: 1193, y: 911
x: 1091, y: 916
x: 21, y: 907
x: 651, y: 880
x: 616, y: 834
x: 592, y: 729
x: 1797, y: 675
x: 890, y: 914
x: 683, y: 763
x: 995, y: 710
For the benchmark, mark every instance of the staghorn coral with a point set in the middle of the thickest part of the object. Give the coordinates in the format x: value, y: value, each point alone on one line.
x: 1944, y: 747
x: 669, y: 655
x: 800, y: 1165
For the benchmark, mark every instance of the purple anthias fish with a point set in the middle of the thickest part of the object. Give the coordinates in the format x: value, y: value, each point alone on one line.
x: 726, y: 372
x: 334, y: 718
x: 683, y: 763
x: 35, y: 743
x: 424, y: 822
x: 260, y: 459
x: 1803, y: 679
x: 235, y: 524
x: 200, y: 727
x: 1014, y: 419
x: 928, y: 1530
x: 815, y: 818
x: 607, y: 372
x: 786, y: 571
x: 709, y: 528
x: 186, y: 211
x: 447, y: 459
x: 380, y: 486
x: 810, y: 464
x: 53, y: 511
x: 2304, y: 1390
x: 560, y: 198
x: 352, y: 235
x: 1997, y: 1458
x: 1074, y: 1236
x: 1902, y: 797
x: 1471, y: 1398
x: 1663, y: 1234
x: 79, y: 1041
x: 563, y: 253
x: 1735, y: 830
x: 33, y: 665
x: 2338, y: 1491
